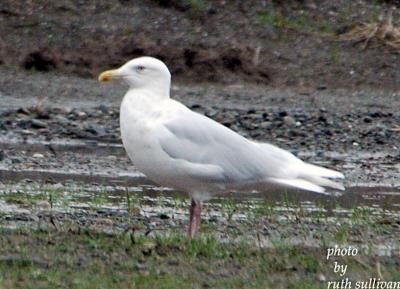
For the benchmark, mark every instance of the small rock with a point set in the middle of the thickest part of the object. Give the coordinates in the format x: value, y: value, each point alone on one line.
x: 62, y: 120
x: 63, y: 110
x: 43, y: 205
x: 173, y: 262
x: 16, y: 160
x: 104, y: 109
x: 23, y: 123
x: 57, y: 186
x: 112, y: 158
x: 38, y: 156
x: 266, y: 124
x: 82, y: 259
x: 27, y: 132
x: 322, y: 86
x: 288, y: 120
x: 81, y: 114
x: 97, y: 130
x: 375, y: 114
x: 321, y: 277
x: 141, y: 266
x: 43, y: 114
x: 35, y: 123
x: 367, y: 120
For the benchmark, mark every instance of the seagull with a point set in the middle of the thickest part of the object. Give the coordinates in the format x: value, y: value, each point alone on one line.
x: 182, y: 149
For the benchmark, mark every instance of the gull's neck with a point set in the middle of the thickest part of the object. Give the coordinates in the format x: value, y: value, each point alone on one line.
x: 154, y: 89
x: 145, y: 99
x: 147, y: 95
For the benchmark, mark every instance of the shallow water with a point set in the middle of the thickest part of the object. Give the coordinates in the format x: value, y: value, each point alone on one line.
x: 372, y: 179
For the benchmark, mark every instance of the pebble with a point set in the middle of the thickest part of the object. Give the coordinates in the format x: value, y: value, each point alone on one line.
x: 367, y: 120
x: 57, y: 186
x: 27, y: 132
x: 43, y: 205
x: 16, y: 160
x: 35, y: 123
x: 62, y: 120
x: 322, y: 86
x: 63, y: 110
x: 38, y: 156
x: 173, y: 262
x: 141, y: 266
x: 81, y: 114
x: 321, y: 277
x: 266, y: 124
x: 112, y: 158
x: 288, y: 120
x: 23, y: 123
x: 96, y: 129
x: 103, y: 108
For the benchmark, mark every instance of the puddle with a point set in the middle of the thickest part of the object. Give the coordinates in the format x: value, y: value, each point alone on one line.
x: 371, y: 178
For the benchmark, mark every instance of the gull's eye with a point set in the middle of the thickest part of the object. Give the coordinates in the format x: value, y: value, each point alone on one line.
x: 140, y: 68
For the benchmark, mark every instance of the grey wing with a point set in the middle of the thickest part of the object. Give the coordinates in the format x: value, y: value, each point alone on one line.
x: 204, y: 143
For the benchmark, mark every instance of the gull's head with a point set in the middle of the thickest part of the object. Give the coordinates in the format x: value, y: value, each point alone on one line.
x: 143, y: 72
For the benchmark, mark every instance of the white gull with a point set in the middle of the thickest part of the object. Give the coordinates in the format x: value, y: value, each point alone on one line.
x: 176, y: 147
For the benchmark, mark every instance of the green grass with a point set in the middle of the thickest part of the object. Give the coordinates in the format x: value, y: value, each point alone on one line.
x: 86, y: 259
x: 303, y: 22
x: 197, y: 4
x: 334, y: 52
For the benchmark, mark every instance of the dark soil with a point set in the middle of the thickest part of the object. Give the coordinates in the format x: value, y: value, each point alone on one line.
x: 279, y: 43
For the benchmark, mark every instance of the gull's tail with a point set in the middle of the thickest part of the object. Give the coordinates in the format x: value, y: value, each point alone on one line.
x: 313, y: 178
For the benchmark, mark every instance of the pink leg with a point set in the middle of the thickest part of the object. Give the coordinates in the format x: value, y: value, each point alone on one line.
x: 195, y: 218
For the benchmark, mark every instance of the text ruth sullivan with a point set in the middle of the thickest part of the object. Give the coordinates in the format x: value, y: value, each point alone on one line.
x: 371, y: 283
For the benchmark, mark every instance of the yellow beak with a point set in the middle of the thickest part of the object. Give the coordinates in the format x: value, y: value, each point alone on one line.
x: 108, y: 75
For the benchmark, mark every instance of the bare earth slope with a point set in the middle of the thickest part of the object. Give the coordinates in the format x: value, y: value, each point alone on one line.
x: 281, y: 43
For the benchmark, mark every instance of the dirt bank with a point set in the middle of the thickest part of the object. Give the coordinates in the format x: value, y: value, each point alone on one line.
x: 279, y: 43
